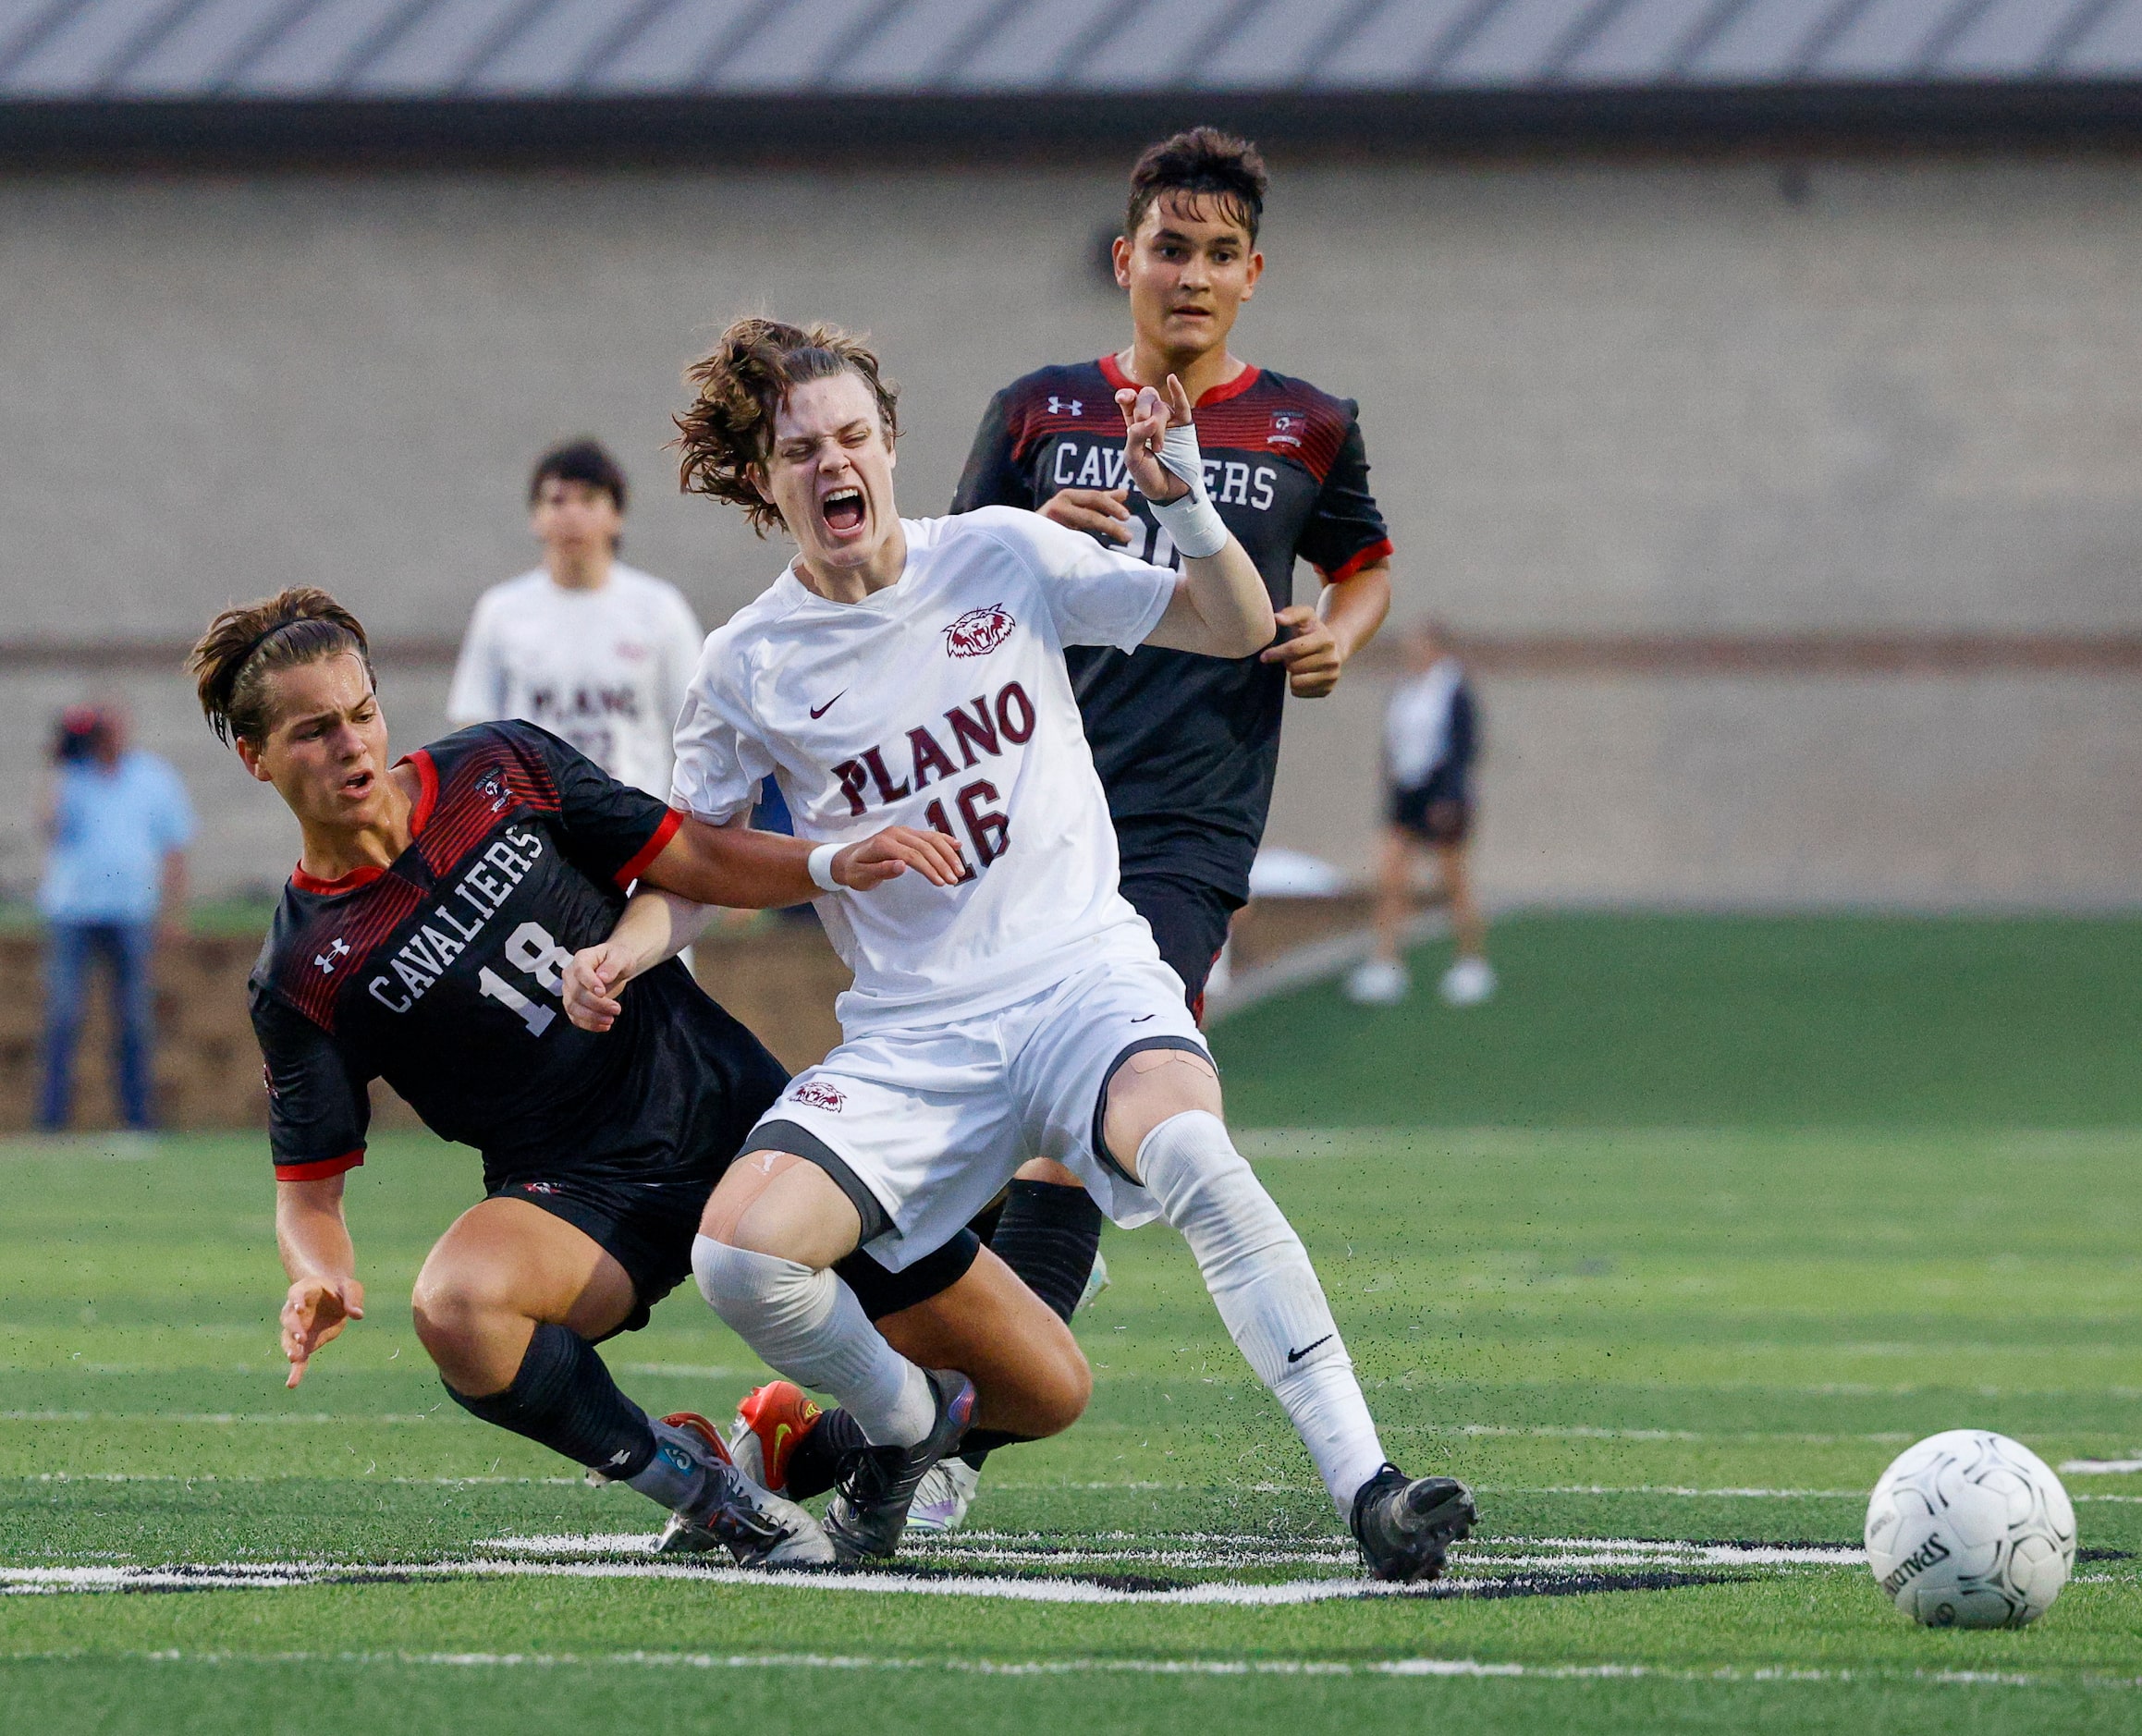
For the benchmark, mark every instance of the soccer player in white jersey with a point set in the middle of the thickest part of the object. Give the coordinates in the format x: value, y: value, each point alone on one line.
x: 593, y: 649
x: 913, y: 671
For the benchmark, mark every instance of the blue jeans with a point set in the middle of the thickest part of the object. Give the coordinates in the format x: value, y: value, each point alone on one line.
x: 130, y: 948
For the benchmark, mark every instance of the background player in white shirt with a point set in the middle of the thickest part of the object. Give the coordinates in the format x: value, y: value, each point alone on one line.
x: 593, y: 649
x: 916, y: 669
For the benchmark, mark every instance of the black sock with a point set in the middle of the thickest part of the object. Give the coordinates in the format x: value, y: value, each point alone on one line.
x: 815, y: 1462
x: 1048, y: 1235
x: 564, y: 1398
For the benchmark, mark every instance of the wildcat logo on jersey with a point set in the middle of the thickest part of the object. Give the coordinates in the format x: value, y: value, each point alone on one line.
x: 978, y: 632
x: 1286, y: 430
x: 819, y: 1095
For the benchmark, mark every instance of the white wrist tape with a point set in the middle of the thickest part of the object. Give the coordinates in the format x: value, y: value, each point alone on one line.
x: 1192, y: 523
x: 821, y: 867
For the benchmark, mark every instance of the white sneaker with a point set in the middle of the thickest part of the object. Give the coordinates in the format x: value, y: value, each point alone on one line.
x: 1096, y: 1281
x: 1378, y: 982
x: 941, y: 1503
x: 1467, y: 983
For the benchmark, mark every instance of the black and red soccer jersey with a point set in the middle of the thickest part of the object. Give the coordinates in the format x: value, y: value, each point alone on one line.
x: 1187, y: 746
x: 441, y: 973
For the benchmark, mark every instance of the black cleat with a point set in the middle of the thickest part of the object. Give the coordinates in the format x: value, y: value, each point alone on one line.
x: 870, y: 1506
x: 1406, y: 1527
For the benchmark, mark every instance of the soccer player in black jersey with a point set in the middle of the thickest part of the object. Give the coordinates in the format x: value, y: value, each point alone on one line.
x: 1186, y: 746
x: 423, y: 939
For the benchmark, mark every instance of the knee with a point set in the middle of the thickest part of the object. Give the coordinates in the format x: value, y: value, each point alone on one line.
x: 743, y: 1286
x: 1150, y: 1087
x: 1064, y: 1394
x: 458, y: 1313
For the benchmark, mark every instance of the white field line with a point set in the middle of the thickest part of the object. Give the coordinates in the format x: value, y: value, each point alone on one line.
x: 1432, y: 1669
x: 2100, y: 1467
x: 1503, y: 1561
x: 1028, y: 1549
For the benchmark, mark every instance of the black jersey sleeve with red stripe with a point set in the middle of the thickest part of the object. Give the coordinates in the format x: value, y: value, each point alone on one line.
x: 611, y: 830
x: 319, y: 1107
x: 1345, y: 532
x: 999, y: 472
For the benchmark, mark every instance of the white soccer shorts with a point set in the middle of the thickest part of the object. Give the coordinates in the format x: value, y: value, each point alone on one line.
x: 930, y: 1121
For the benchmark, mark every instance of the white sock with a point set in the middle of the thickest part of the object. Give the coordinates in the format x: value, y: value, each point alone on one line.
x: 810, y: 1327
x: 1267, y: 1292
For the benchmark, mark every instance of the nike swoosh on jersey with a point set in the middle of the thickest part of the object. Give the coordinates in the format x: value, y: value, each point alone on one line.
x: 1143, y: 1017
x: 1296, y: 1356
x: 819, y: 711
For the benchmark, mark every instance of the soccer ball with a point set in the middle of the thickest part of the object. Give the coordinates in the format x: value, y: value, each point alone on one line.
x: 1969, y: 1529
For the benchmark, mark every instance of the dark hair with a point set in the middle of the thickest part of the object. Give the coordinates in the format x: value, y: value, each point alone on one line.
x: 249, y: 642
x: 729, y: 427
x: 587, y: 462
x: 1202, y: 163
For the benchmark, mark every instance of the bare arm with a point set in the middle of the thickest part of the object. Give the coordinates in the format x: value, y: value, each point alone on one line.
x: 656, y: 925
x: 760, y: 871
x: 1221, y: 609
x: 1345, y: 618
x: 314, y: 1239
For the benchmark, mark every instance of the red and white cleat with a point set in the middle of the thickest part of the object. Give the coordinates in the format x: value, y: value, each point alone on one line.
x: 770, y: 1423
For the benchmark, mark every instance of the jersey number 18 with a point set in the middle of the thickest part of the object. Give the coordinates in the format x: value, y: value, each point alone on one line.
x: 530, y: 948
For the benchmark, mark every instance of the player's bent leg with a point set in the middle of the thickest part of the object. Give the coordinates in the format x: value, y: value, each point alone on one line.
x: 761, y: 1260
x: 1031, y: 1379
x: 1260, y: 1278
x: 503, y: 1267
x: 507, y: 1303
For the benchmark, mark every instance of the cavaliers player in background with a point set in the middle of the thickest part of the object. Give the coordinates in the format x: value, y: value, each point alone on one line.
x: 1186, y: 746
x: 420, y: 940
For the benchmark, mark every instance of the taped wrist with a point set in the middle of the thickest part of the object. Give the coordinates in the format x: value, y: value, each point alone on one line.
x: 1192, y: 523
x: 819, y: 865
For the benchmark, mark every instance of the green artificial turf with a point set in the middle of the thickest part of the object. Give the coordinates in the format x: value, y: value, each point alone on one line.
x: 1612, y: 1335
x: 1711, y: 1021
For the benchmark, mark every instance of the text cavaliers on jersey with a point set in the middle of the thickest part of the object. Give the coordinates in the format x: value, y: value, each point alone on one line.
x: 441, y: 974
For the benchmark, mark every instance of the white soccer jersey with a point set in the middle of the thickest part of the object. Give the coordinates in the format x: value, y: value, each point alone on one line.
x: 605, y: 668
x: 941, y: 701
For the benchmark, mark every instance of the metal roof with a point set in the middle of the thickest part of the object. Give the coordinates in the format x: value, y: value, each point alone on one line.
x: 344, y: 51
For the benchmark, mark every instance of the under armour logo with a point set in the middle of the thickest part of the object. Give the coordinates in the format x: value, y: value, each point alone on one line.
x: 336, y: 951
x: 1057, y: 406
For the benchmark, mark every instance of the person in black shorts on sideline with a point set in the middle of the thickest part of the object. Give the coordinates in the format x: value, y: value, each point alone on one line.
x: 1186, y: 746
x: 423, y: 939
x: 1431, y: 737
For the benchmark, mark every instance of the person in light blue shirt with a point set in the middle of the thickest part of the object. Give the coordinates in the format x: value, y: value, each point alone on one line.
x: 118, y: 822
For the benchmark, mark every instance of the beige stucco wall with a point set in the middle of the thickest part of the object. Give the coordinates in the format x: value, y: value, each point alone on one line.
x: 1597, y: 398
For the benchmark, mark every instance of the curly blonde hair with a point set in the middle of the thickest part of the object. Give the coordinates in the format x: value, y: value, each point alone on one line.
x: 729, y: 427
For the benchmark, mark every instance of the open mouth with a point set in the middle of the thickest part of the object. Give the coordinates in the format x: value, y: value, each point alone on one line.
x: 358, y: 785
x: 843, y: 509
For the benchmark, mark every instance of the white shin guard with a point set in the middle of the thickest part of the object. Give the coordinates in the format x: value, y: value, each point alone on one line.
x: 1266, y: 1291
x: 810, y: 1327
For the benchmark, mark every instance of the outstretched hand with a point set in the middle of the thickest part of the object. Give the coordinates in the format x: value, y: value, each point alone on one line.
x: 1147, y: 415
x: 314, y: 1312
x: 889, y: 854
